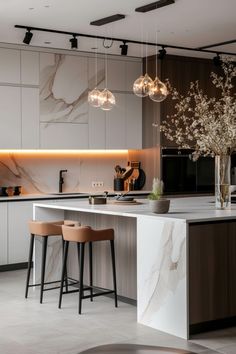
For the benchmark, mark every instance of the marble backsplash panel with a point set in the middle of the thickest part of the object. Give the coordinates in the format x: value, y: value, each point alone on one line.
x: 39, y: 173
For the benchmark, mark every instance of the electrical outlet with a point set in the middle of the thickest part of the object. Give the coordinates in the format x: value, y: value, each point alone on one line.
x: 96, y: 184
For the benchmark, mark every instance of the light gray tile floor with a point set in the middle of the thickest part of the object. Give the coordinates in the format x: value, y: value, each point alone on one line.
x: 26, y: 327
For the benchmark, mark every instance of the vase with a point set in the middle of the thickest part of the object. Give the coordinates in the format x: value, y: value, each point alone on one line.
x: 222, y: 182
x: 160, y: 206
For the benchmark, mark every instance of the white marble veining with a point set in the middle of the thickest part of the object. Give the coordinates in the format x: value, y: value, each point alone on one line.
x: 63, y: 88
x: 40, y: 173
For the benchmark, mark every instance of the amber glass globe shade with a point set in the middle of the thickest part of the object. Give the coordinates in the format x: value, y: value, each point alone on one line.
x: 107, y: 100
x: 158, y: 91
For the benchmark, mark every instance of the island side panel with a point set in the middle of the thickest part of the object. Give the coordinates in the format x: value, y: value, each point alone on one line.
x: 162, y: 274
x: 212, y: 269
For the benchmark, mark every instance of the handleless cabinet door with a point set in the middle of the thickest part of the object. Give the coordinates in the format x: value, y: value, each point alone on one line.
x: 10, y: 122
x: 116, y: 75
x: 10, y: 66
x: 3, y: 234
x: 133, y: 122
x: 97, y: 128
x: 19, y: 213
x: 116, y: 124
x: 29, y: 67
x: 30, y: 118
x: 133, y: 71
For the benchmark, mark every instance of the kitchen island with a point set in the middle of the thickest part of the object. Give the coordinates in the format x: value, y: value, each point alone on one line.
x: 186, y: 259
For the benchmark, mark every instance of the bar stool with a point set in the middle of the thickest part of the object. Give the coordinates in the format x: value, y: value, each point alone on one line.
x: 82, y: 235
x: 45, y: 230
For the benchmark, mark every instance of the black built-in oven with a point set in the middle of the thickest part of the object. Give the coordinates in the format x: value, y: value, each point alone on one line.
x: 181, y: 174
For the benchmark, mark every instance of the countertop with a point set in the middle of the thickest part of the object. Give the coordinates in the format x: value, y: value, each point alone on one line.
x: 189, y: 210
x: 66, y: 195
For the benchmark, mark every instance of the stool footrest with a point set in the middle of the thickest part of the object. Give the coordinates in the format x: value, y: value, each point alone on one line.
x: 98, y: 294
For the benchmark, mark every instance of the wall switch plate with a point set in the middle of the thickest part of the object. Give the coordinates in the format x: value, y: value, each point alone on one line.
x: 96, y: 184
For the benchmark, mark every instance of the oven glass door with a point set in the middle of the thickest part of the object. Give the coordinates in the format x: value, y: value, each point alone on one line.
x: 178, y: 174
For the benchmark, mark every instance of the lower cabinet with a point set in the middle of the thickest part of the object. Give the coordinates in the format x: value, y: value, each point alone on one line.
x: 3, y: 233
x: 19, y: 213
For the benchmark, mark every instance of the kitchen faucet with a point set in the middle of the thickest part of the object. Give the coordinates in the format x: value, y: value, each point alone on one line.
x: 61, y: 180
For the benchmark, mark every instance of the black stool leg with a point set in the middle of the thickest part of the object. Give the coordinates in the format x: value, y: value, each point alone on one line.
x: 66, y: 246
x: 114, y: 269
x: 65, y: 278
x: 43, y: 266
x: 81, y: 276
x: 91, y: 269
x: 31, y: 249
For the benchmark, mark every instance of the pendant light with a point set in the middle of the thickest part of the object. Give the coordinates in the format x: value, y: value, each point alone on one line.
x: 158, y: 90
x: 107, y: 99
x: 94, y: 95
x: 141, y: 86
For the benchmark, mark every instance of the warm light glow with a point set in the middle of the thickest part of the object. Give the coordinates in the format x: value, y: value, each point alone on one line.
x: 158, y: 91
x: 62, y: 153
x: 142, y: 85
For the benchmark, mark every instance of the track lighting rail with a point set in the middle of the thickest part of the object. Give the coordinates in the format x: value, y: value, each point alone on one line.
x: 49, y: 30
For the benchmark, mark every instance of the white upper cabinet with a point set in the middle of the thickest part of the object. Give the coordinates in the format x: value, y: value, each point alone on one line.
x: 10, y: 66
x: 133, y: 122
x: 30, y: 117
x: 29, y: 67
x: 10, y: 122
x: 116, y: 75
x: 97, y: 128
x: 96, y: 73
x: 116, y: 123
x: 63, y: 136
x: 133, y: 71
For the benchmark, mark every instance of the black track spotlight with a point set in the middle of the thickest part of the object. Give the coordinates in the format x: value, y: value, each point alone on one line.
x: 162, y: 53
x: 217, y: 60
x: 28, y: 36
x: 74, y: 42
x: 124, y: 48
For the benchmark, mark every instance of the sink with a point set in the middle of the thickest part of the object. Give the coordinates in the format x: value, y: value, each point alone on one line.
x: 67, y: 193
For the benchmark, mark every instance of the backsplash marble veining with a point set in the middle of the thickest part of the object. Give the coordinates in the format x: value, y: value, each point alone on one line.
x: 39, y: 173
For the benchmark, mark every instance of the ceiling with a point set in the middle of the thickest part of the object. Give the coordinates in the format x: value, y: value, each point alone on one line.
x: 190, y: 23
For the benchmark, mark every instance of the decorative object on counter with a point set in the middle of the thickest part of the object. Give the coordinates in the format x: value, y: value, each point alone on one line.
x: 222, y: 181
x: 133, y: 177
x: 209, y: 124
x: 158, y: 204
x: 97, y: 200
x: 118, y: 184
x: 10, y: 191
x: 3, y: 192
x: 17, y: 190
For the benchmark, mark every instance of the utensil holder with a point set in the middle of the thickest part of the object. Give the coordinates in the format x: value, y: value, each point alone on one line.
x: 118, y: 184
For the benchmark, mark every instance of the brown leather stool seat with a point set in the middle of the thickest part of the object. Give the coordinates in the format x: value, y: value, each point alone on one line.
x: 45, y: 230
x: 82, y: 235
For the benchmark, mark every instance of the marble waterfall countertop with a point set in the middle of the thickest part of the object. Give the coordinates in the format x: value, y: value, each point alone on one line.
x: 162, y: 250
x: 190, y: 209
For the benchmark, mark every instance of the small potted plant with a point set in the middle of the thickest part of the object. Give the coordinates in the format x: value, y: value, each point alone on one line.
x: 158, y: 204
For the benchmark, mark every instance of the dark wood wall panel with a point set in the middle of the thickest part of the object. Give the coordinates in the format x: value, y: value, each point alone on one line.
x: 208, y: 272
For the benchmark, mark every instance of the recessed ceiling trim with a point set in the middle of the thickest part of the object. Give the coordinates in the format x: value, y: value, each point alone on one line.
x: 154, y: 5
x: 109, y: 19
